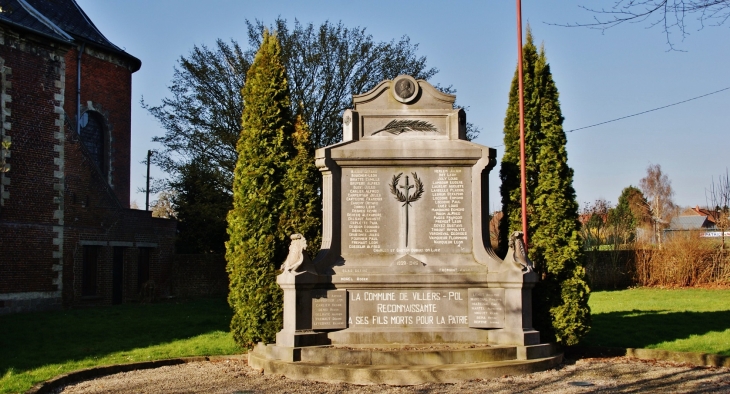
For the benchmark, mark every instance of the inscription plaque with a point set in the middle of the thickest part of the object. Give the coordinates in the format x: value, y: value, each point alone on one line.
x: 412, y: 210
x: 486, y: 308
x: 407, y: 308
x: 447, y: 192
x: 364, y: 198
x: 329, y: 309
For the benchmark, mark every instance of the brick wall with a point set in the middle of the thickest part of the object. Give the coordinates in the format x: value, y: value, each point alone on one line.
x: 33, y: 91
x: 195, y: 275
x: 55, y: 200
x: 610, y: 270
x: 132, y: 231
x: 106, y: 87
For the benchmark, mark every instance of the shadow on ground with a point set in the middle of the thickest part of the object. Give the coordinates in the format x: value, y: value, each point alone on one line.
x: 642, y: 328
x: 33, y: 340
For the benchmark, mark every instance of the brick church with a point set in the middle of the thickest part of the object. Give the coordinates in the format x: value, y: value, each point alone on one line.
x: 67, y: 235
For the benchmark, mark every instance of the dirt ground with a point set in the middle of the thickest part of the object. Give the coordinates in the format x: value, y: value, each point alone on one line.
x: 607, y: 375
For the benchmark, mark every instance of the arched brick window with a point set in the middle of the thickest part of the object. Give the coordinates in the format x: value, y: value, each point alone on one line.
x: 93, y: 130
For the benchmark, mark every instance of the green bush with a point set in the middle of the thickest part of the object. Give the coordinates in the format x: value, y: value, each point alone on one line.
x: 560, y: 299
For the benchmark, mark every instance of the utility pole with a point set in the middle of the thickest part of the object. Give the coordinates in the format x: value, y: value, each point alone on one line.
x: 523, y: 171
x: 147, y: 189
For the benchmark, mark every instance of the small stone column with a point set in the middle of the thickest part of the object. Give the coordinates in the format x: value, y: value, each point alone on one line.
x: 298, y: 278
x: 517, y: 282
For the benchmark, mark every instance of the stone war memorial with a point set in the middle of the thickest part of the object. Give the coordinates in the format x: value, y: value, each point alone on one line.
x: 406, y: 288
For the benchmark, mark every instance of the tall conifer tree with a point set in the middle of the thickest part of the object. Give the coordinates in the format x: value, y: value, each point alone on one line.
x: 302, y: 207
x: 560, y: 299
x: 257, y: 245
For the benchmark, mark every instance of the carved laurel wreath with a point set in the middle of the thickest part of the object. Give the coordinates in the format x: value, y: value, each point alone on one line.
x: 401, y: 126
x: 402, y: 197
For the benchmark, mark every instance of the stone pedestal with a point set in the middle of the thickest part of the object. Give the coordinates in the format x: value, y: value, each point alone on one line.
x: 405, y: 289
x: 297, y: 331
x: 406, y: 255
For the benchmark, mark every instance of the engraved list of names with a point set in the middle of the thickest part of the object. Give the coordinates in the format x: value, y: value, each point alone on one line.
x: 329, y: 309
x: 486, y: 308
x: 447, y: 192
x: 363, y: 219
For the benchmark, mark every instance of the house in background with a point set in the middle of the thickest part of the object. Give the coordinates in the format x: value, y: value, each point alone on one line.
x: 692, y: 219
x: 67, y: 235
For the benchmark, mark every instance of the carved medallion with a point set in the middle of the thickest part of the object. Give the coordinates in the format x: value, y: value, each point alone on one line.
x: 405, y: 88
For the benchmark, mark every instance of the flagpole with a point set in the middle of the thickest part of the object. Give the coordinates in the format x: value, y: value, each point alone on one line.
x: 523, y: 171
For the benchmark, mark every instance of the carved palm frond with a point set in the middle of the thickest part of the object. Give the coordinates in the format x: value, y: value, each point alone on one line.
x: 394, y: 188
x: 401, y: 126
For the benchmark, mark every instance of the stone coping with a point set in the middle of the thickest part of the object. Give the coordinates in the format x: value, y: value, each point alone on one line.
x: 692, y: 358
x: 697, y: 359
x: 412, y: 347
x: 51, y: 385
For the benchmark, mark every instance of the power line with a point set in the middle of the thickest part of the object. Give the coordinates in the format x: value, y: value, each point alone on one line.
x: 640, y: 113
x: 651, y: 110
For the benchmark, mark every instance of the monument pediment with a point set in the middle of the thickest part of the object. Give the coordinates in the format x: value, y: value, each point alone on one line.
x: 404, y: 108
x: 404, y: 93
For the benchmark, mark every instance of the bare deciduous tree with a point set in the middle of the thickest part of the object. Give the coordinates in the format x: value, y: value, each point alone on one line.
x: 670, y: 15
x: 325, y: 64
x: 594, y: 220
x: 163, y: 207
x: 718, y: 203
x: 657, y: 189
x: 494, y: 220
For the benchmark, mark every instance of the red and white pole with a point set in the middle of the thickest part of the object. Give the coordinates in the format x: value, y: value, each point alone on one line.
x: 523, y: 171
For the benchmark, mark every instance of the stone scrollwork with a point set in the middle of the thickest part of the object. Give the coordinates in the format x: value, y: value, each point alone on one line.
x: 298, y: 259
x: 518, y: 252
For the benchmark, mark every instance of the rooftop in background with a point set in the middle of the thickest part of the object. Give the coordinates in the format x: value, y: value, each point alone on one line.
x: 691, y: 222
x: 61, y: 20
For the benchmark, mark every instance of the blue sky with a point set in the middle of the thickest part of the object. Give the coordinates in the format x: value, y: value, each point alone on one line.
x: 623, y: 71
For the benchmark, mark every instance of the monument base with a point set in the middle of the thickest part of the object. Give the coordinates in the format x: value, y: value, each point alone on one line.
x: 418, y: 337
x: 413, y: 336
x: 403, y: 364
x: 301, y: 338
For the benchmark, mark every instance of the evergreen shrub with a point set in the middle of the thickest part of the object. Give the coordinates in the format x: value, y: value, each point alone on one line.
x: 560, y: 299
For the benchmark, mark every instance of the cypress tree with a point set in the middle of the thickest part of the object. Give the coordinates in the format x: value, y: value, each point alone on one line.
x: 302, y: 207
x: 560, y: 299
x: 509, y: 172
x: 257, y: 245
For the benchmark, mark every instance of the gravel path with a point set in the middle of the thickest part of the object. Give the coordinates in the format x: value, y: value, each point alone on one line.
x: 615, y: 375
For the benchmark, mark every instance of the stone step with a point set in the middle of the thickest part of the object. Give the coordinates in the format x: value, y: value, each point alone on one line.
x: 412, y: 335
x: 435, y: 355
x: 400, y: 374
x: 415, y: 354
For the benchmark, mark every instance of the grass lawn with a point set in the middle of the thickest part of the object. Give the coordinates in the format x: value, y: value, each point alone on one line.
x: 685, y: 320
x: 38, y: 346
